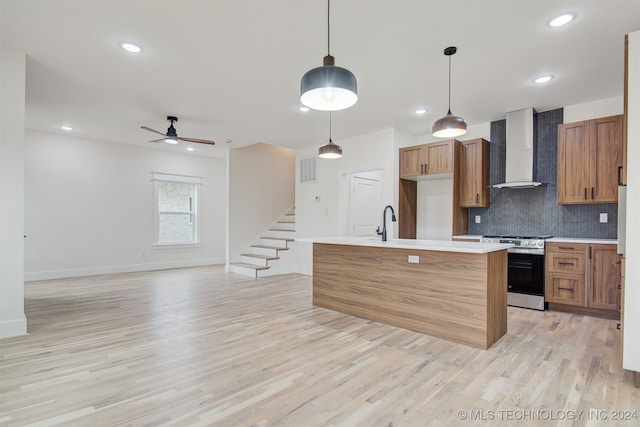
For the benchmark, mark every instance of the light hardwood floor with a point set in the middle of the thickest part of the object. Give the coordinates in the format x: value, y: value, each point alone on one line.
x: 202, y: 347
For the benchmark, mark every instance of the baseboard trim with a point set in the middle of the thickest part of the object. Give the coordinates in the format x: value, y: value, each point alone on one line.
x: 113, y: 269
x: 13, y: 328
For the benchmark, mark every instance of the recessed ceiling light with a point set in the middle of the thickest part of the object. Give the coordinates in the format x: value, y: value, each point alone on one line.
x: 190, y: 148
x: 130, y: 47
x: 543, y: 79
x: 303, y: 108
x: 420, y: 111
x: 65, y: 127
x: 562, y: 19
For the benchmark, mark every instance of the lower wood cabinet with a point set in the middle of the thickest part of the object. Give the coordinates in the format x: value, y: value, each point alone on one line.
x: 583, y: 278
x: 565, y: 273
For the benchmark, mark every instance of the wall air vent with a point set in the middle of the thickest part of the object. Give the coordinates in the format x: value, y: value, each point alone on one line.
x: 308, y: 170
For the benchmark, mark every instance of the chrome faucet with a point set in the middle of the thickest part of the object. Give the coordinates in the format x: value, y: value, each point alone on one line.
x: 383, y: 233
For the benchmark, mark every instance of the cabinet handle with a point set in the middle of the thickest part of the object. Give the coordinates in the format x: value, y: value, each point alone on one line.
x: 426, y: 167
x: 619, y: 175
x: 619, y: 286
x: 592, y: 193
x: 618, y: 262
x: 589, y: 252
x: 477, y: 198
x: 565, y: 263
x: 585, y: 193
x: 421, y: 169
x: 618, y: 326
x: 565, y: 248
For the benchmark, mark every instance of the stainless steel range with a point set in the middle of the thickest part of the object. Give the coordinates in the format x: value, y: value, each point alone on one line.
x: 525, y: 276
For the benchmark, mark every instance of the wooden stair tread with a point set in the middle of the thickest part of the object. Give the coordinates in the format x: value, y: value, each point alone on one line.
x: 284, y: 239
x: 252, y: 266
x: 267, y: 257
x: 280, y: 248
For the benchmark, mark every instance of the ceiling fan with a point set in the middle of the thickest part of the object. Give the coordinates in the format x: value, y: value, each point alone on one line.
x: 171, y: 137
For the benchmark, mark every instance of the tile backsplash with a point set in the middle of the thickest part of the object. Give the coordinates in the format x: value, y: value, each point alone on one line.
x: 535, y: 211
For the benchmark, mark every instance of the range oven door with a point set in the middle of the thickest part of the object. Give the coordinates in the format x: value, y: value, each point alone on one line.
x: 525, y: 273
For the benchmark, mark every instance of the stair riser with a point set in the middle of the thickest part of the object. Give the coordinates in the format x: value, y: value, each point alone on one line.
x: 249, y: 272
x: 255, y: 261
x: 265, y: 251
x: 273, y: 242
x: 280, y: 234
x: 284, y: 226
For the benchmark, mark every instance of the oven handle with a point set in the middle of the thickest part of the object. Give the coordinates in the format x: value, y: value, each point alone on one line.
x: 525, y: 251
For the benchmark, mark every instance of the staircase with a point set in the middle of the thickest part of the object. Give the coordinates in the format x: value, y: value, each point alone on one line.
x: 269, y: 254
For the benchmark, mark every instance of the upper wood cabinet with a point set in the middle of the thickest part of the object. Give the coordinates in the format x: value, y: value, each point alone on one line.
x: 474, y: 171
x: 589, y: 161
x: 426, y: 159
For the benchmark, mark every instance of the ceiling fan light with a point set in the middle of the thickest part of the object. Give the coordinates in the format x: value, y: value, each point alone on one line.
x: 171, y: 140
x: 449, y: 126
x: 330, y: 151
x: 328, y: 88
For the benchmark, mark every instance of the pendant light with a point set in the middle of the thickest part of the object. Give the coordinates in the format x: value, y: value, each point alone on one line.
x: 328, y: 88
x: 330, y: 150
x: 449, y: 126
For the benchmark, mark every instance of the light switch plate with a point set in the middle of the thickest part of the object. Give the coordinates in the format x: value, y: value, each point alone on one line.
x: 478, y: 219
x: 414, y: 259
x: 604, y: 217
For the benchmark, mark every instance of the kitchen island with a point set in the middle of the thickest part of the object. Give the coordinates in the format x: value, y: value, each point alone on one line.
x: 451, y: 290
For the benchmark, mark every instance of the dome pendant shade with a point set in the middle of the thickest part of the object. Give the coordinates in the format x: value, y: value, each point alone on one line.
x: 449, y: 126
x: 328, y: 88
x: 330, y: 151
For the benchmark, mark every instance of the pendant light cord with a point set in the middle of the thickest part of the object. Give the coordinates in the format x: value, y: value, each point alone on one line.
x: 328, y: 27
x: 449, y: 84
x: 330, y: 126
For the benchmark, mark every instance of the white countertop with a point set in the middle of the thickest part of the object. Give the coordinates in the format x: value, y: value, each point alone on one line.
x: 582, y: 240
x: 424, y: 245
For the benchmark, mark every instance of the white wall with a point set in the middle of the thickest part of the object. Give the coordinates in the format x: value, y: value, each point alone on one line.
x: 631, y: 355
x: 89, y: 207
x: 373, y: 151
x: 594, y: 109
x: 12, y: 98
x: 262, y: 187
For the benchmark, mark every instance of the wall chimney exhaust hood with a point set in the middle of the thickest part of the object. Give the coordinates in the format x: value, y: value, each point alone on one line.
x: 521, y: 153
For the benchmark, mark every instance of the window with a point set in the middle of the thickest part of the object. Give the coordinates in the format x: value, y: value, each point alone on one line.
x: 176, y: 208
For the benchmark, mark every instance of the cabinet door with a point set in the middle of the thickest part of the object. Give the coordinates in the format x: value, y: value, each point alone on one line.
x: 573, y: 163
x: 411, y: 163
x: 474, y: 171
x: 439, y: 157
x: 606, y: 143
x: 603, y: 277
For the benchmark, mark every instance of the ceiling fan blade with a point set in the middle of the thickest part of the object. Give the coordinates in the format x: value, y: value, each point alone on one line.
x: 152, y: 130
x: 157, y: 140
x: 199, y: 141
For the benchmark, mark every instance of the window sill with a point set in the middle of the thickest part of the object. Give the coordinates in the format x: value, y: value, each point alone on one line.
x: 175, y: 245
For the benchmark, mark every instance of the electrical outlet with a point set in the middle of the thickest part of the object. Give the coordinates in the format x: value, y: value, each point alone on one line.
x: 414, y: 259
x: 604, y: 217
x: 478, y: 219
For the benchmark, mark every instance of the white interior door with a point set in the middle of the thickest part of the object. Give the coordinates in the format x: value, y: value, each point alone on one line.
x: 366, y: 205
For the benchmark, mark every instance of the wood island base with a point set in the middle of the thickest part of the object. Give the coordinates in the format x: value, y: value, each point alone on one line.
x: 456, y: 296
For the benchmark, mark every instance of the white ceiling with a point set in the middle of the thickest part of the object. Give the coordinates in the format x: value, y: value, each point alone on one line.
x: 230, y: 70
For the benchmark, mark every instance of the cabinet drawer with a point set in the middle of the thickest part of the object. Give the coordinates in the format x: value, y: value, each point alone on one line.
x: 566, y: 262
x: 565, y: 288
